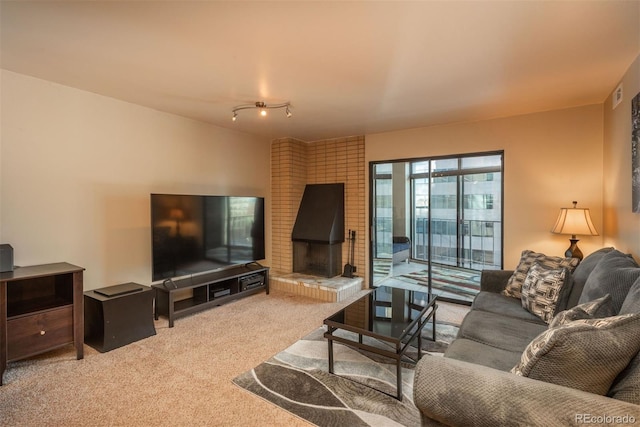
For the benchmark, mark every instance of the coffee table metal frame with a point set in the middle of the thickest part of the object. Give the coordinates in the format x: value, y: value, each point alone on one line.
x: 399, y: 345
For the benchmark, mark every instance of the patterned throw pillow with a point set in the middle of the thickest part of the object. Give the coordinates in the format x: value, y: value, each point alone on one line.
x: 527, y: 259
x: 596, y: 309
x: 541, y: 289
x: 585, y: 354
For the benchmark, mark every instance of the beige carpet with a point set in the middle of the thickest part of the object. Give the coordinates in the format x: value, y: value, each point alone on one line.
x: 180, y: 377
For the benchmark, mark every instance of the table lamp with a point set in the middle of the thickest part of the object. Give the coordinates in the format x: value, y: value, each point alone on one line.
x: 178, y: 215
x: 574, y: 221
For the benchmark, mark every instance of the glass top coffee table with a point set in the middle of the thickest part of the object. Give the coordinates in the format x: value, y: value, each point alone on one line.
x: 391, y: 315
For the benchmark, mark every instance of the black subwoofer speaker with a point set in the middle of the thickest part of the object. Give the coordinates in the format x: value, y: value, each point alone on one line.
x: 6, y: 258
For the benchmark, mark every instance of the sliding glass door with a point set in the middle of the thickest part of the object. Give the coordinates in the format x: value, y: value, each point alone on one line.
x: 454, y: 223
x: 382, y: 220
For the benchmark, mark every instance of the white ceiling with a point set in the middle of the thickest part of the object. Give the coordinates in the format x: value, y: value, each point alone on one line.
x: 348, y: 68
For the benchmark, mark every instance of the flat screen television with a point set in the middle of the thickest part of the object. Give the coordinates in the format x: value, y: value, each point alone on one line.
x: 194, y: 234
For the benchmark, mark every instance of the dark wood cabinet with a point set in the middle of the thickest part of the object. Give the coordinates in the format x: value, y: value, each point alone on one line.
x: 209, y: 290
x: 40, y: 310
x: 112, y: 322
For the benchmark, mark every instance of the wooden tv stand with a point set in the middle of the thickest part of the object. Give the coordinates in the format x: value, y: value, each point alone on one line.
x: 209, y: 290
x: 40, y: 310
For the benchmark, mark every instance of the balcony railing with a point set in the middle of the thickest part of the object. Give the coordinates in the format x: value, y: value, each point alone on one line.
x: 475, y: 244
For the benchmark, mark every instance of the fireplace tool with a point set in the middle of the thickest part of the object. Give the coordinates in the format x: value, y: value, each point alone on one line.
x: 349, y: 268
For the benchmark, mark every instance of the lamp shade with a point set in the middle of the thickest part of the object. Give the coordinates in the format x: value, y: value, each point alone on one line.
x: 176, y: 214
x: 574, y: 221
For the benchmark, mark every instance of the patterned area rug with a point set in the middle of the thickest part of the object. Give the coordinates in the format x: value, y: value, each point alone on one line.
x: 297, y: 380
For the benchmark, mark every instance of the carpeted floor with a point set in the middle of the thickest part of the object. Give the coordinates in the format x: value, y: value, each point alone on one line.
x: 297, y: 380
x: 180, y: 377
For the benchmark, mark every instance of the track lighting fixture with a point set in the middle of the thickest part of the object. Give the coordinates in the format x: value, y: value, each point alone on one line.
x: 262, y: 107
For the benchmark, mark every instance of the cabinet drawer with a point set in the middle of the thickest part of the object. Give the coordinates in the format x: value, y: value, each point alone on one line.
x: 36, y: 333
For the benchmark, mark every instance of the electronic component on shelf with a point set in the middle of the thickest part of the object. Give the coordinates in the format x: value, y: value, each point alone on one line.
x: 217, y: 293
x: 251, y: 282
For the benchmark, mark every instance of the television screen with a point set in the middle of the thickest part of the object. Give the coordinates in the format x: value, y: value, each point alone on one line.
x: 193, y: 234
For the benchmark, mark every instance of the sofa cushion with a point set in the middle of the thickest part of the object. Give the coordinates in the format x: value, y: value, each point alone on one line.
x: 503, y: 305
x: 586, y: 354
x: 459, y: 393
x: 631, y: 302
x: 596, y: 309
x: 494, y: 280
x: 503, y: 332
x: 482, y: 354
x: 527, y: 259
x: 565, y: 293
x: 580, y: 275
x: 613, y: 274
x: 541, y: 289
x: 627, y: 385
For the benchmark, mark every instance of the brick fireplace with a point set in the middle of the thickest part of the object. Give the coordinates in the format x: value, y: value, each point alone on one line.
x: 295, y: 164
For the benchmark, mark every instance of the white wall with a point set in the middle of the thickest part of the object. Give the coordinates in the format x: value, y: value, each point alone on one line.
x: 622, y: 226
x: 77, y: 169
x: 550, y: 159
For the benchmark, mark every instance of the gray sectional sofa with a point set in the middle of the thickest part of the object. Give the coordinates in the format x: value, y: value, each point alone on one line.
x: 521, y: 361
